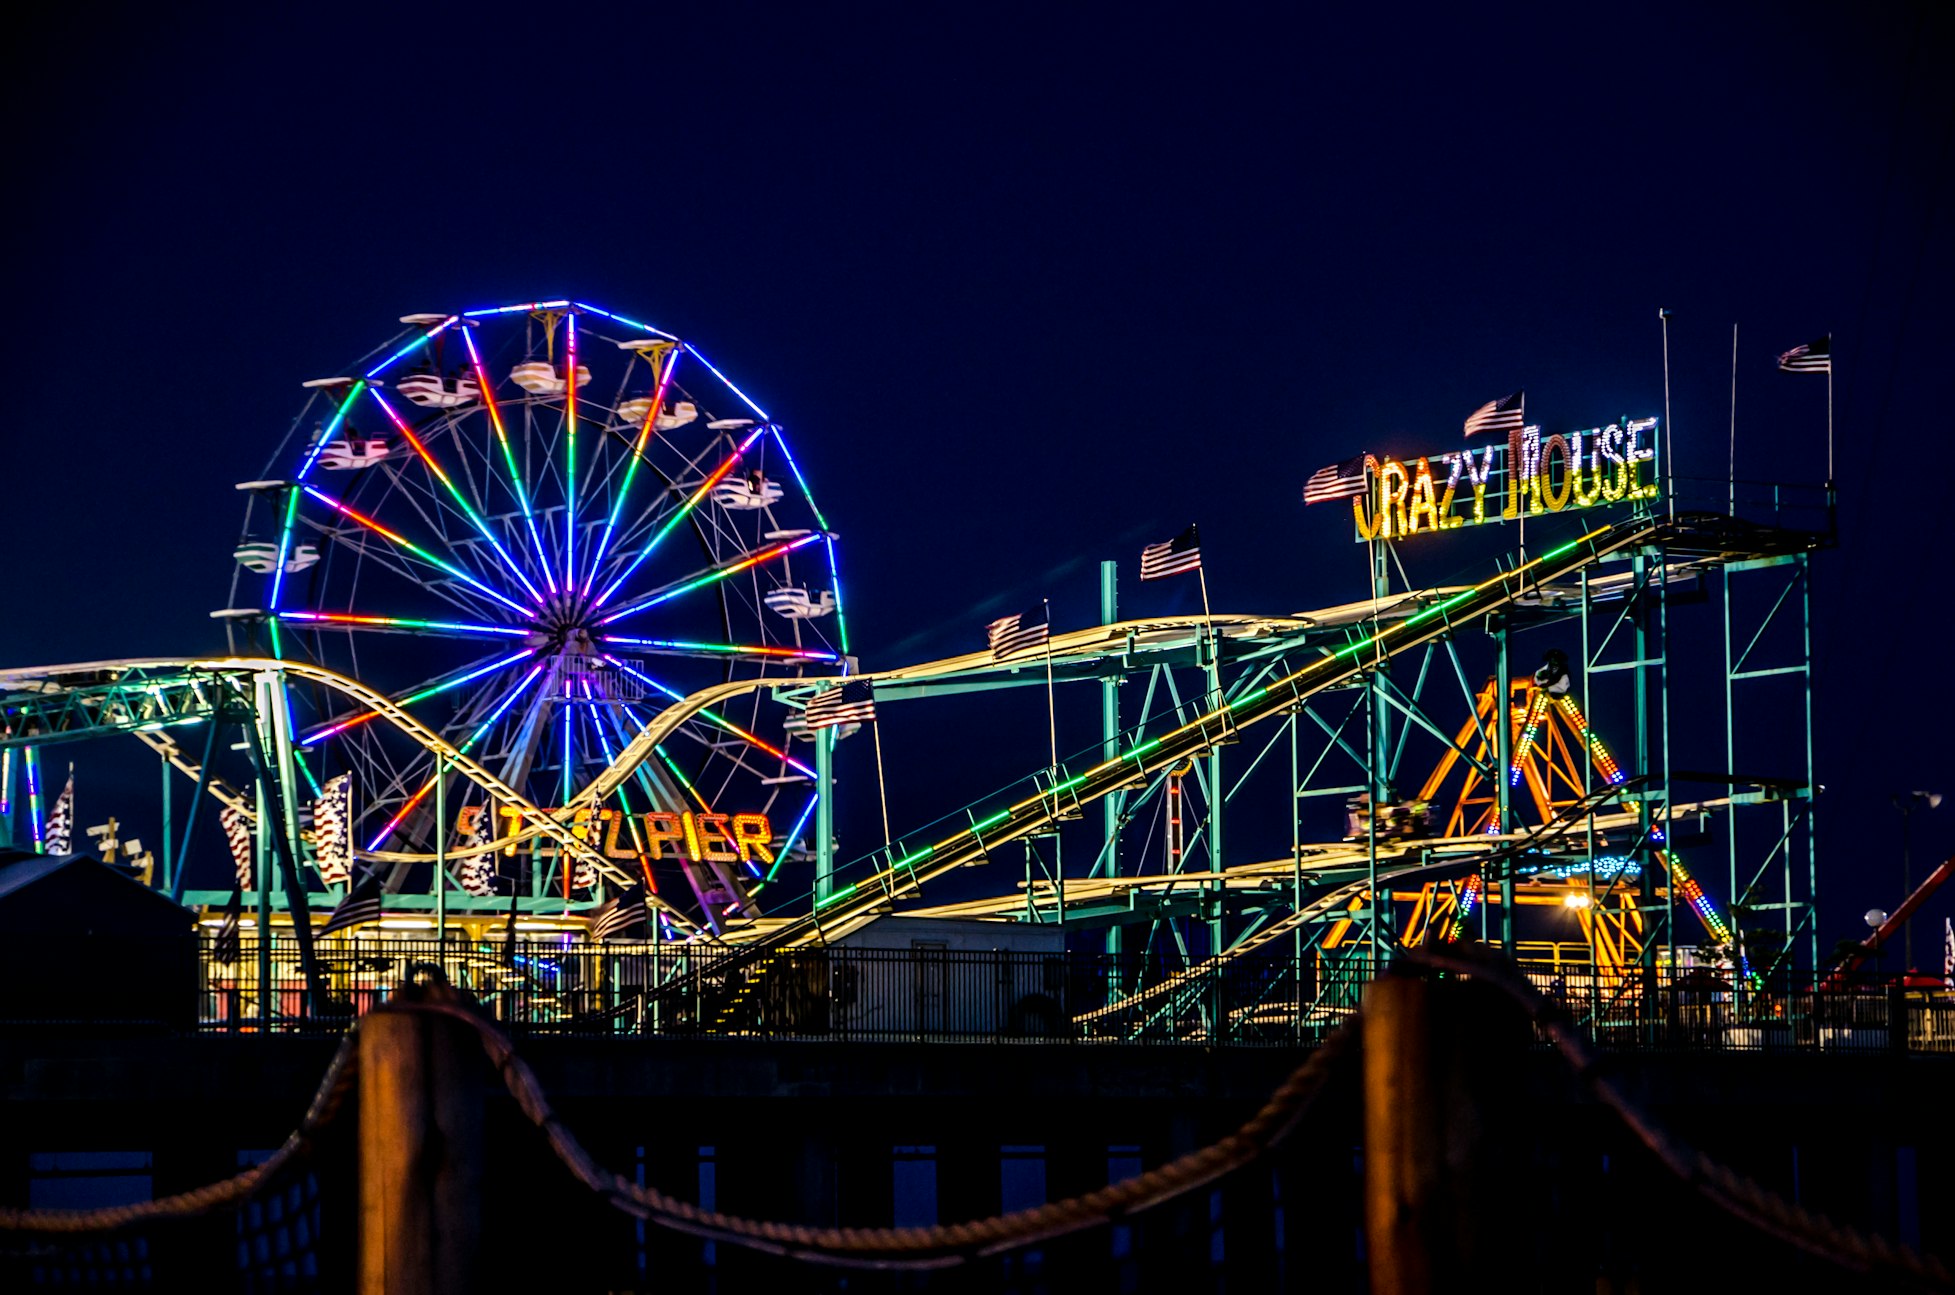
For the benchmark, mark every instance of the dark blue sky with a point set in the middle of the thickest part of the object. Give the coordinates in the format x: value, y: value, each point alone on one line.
x: 1030, y: 286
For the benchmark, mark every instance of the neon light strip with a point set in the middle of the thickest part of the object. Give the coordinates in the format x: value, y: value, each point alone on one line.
x: 835, y: 587
x: 1537, y: 710
x: 480, y: 525
x: 403, y: 623
x: 570, y: 459
x: 631, y: 469
x: 422, y: 340
x: 714, y: 716
x: 332, y: 425
x: 569, y: 767
x: 792, y: 839
x: 1469, y: 899
x: 672, y: 767
x: 780, y: 439
x: 511, y: 310
x: 32, y: 761
x: 767, y: 554
x: 692, y: 351
x: 725, y: 649
x: 508, y: 455
x: 6, y: 779
x: 718, y: 475
x: 463, y: 749
x: 422, y: 695
x: 644, y: 328
x: 411, y: 547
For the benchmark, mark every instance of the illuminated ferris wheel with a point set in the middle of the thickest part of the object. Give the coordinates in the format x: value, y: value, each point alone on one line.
x: 534, y: 526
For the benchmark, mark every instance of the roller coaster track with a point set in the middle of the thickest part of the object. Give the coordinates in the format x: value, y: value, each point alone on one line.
x: 1436, y: 615
x: 533, y: 820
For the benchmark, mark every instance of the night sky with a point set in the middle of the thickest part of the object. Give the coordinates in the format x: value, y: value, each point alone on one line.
x: 1031, y: 288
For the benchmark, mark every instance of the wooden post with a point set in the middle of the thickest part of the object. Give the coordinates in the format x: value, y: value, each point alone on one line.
x: 1445, y: 1144
x: 420, y: 1151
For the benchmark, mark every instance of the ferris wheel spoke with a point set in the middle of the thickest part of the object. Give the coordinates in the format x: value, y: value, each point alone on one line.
x: 433, y: 688
x: 508, y: 700
x: 661, y: 385
x: 692, y: 501
x: 475, y: 518
x: 681, y: 647
x: 516, y: 483
x: 407, y: 545
x: 709, y: 714
x: 402, y: 625
x: 570, y: 452
x: 712, y: 577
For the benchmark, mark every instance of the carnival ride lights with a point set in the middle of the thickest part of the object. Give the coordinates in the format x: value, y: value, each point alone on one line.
x: 554, y: 502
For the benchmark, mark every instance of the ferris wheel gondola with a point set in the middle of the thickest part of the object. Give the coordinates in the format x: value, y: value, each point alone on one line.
x: 536, y: 566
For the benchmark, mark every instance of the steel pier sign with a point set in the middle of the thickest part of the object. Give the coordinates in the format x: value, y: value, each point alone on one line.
x: 1528, y: 476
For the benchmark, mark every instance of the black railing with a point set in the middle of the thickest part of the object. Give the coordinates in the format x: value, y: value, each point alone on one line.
x: 934, y: 995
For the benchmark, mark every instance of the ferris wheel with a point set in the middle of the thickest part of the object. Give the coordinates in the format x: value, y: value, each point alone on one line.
x: 534, y: 526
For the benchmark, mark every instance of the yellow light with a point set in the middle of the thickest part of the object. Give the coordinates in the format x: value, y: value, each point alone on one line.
x: 406, y: 924
x: 1576, y: 899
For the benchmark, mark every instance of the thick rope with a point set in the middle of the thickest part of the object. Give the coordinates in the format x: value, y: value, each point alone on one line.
x: 1735, y: 1194
x: 226, y: 1193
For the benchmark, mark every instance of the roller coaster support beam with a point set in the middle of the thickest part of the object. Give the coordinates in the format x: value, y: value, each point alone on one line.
x: 216, y: 723
x: 275, y: 780
x: 1503, y: 718
x: 1110, y: 806
x: 824, y: 813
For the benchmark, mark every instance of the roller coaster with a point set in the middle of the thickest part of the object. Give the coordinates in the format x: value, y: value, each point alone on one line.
x: 1527, y: 828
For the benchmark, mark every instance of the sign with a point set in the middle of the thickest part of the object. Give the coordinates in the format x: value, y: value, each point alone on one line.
x: 1536, y: 475
x: 690, y: 837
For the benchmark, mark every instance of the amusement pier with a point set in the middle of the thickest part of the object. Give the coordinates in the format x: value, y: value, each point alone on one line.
x: 517, y: 896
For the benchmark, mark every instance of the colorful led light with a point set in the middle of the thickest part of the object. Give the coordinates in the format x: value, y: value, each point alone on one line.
x: 1605, y: 763
x: 32, y: 762
x: 404, y: 623
x: 570, y: 455
x: 767, y: 554
x: 422, y: 695
x: 490, y: 403
x: 629, y: 323
x: 660, y: 388
x: 515, y: 309
x: 502, y: 706
x: 422, y: 340
x: 709, y: 713
x: 722, y: 649
x: 792, y: 839
x: 1537, y: 710
x: 419, y: 552
x: 1469, y: 899
x: 475, y: 519
x: 693, y: 351
x: 692, y: 501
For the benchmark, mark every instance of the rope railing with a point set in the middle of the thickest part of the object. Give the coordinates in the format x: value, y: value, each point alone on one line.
x: 948, y: 1245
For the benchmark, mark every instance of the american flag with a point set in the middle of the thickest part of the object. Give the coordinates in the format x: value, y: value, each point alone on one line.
x: 854, y: 702
x: 332, y: 830
x: 226, y: 946
x: 362, y: 904
x: 1948, y: 951
x: 620, y: 913
x: 237, y: 835
x: 1338, y: 481
x: 1009, y: 635
x: 1177, y: 556
x: 1501, y: 416
x: 1813, y: 357
x: 478, y: 872
x: 61, y: 819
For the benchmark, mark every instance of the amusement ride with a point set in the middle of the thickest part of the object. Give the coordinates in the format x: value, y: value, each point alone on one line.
x: 529, y: 603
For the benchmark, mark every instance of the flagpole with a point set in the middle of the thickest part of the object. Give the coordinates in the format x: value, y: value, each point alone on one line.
x: 882, y: 788
x: 1734, y: 421
x: 1208, y: 619
x: 1669, y: 468
x: 1829, y: 410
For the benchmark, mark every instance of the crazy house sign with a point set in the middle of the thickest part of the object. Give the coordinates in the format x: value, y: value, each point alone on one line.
x: 1529, y: 475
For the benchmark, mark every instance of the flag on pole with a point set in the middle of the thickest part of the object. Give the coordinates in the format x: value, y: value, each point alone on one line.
x: 620, y: 913
x: 1813, y: 357
x: 1500, y: 416
x: 237, y: 835
x: 227, y: 945
x: 1177, y: 556
x: 1010, y: 635
x: 332, y: 830
x: 61, y: 819
x: 854, y: 702
x: 478, y: 872
x: 362, y: 904
x: 1948, y: 951
x: 1338, y: 481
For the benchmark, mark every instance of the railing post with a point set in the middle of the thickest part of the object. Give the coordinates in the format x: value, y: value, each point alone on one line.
x: 420, y: 1150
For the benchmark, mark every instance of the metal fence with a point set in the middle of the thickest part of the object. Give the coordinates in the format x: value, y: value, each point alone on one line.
x: 937, y: 995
